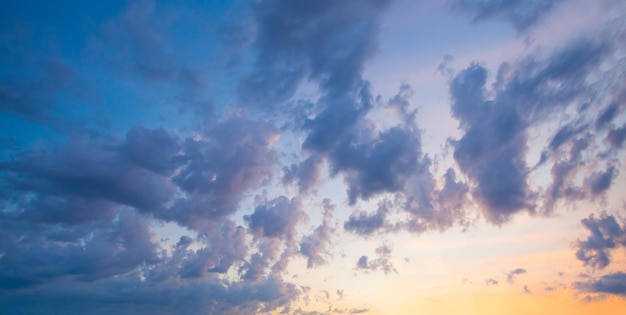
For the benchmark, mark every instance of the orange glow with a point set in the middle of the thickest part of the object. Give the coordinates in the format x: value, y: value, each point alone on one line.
x: 560, y: 302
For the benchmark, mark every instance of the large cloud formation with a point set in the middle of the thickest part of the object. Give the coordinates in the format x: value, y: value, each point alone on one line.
x: 88, y: 203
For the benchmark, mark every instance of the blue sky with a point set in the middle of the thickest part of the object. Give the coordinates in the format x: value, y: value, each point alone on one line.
x: 312, y: 157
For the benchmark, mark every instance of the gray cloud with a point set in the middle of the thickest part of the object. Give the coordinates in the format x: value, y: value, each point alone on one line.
x: 276, y: 218
x: 146, y: 297
x: 495, y: 121
x: 363, y: 223
x: 492, y: 149
x: 612, y: 283
x: 606, y: 235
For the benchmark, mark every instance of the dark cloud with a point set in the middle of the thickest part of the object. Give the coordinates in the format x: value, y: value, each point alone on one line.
x: 607, y: 116
x: 363, y: 223
x: 33, y: 257
x: 130, y: 295
x: 510, y: 277
x: 612, y: 283
x: 315, y: 247
x: 79, y: 170
x: 522, y: 14
x: 155, y: 150
x: 617, y: 136
x: 563, y: 135
x: 382, y: 164
x: 492, y: 149
x: 85, y: 178
x: 599, y: 182
x: 606, y: 235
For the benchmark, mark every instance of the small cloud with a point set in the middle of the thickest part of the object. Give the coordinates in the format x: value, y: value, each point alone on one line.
x: 491, y: 282
x: 511, y: 275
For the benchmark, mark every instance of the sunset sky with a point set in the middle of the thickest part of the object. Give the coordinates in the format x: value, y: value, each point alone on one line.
x: 313, y: 157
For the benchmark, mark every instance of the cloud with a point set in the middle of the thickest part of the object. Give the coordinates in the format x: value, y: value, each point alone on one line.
x: 527, y: 290
x: 612, y: 283
x: 599, y: 182
x: 510, y: 277
x: 491, y: 282
x: 363, y: 223
x: 522, y: 14
x: 492, y: 151
x: 147, y: 297
x: 232, y: 157
x: 617, y: 136
x: 48, y: 254
x: 306, y: 174
x: 78, y: 171
x: 382, y: 261
x: 606, y: 235
x: 221, y: 247
x: 315, y: 247
x: 276, y: 218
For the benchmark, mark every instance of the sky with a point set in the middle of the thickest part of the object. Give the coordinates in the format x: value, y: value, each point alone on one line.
x: 313, y: 157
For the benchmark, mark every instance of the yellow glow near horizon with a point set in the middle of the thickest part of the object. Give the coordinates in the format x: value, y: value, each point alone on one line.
x: 558, y: 302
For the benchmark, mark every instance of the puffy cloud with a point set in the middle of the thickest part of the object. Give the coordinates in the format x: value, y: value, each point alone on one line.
x: 222, y: 246
x: 606, y: 235
x: 306, y: 174
x: 492, y: 151
x: 522, y: 14
x: 276, y: 218
x: 155, y: 150
x: 382, y: 261
x: 315, y: 246
x: 234, y: 156
x: 382, y: 164
x: 363, y: 223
